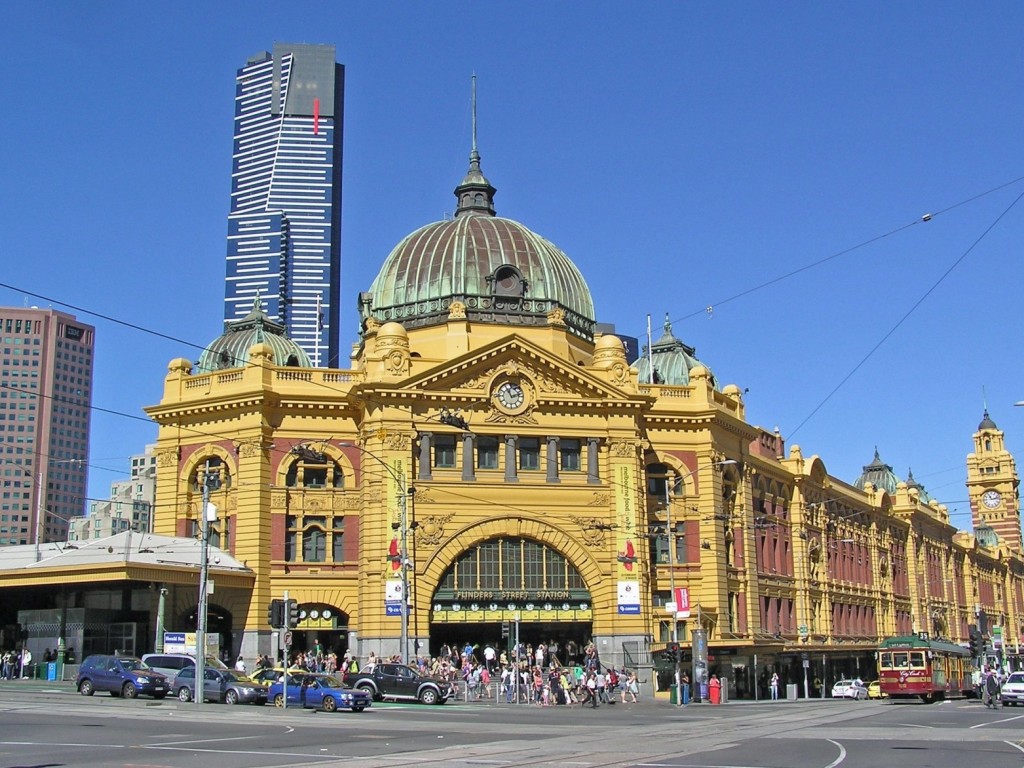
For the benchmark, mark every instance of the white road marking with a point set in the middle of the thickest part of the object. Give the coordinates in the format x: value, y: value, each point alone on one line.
x: 842, y: 754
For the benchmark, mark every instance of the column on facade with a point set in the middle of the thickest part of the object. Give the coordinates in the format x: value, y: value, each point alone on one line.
x: 423, y: 470
x: 593, y: 449
x: 468, y: 464
x: 552, y: 460
x: 511, y: 465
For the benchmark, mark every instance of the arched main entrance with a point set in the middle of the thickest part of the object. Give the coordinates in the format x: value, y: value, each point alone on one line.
x: 503, y: 581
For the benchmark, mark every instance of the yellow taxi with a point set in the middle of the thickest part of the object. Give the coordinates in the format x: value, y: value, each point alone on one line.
x: 875, y: 691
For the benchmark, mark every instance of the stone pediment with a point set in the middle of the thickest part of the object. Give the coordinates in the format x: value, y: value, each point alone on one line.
x: 546, y: 376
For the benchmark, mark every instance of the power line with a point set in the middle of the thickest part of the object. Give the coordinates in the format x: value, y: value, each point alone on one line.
x: 908, y: 313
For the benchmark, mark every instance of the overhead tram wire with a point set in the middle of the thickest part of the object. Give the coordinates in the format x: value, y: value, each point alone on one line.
x: 871, y: 240
x: 168, y: 337
x: 908, y: 313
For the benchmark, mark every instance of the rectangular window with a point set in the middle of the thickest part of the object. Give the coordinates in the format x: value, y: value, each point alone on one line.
x: 444, y: 451
x: 533, y: 565
x: 338, y: 541
x: 569, y: 455
x: 511, y: 576
x: 489, y: 565
x: 529, y: 453
x: 487, y: 453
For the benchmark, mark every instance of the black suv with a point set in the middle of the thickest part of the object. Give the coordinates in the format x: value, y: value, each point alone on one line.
x: 120, y: 675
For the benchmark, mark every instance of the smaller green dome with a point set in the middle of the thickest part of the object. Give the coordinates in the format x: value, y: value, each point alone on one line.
x: 673, y: 361
x: 879, y: 474
x: 231, y: 348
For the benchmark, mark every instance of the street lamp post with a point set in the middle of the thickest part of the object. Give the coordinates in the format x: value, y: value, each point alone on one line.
x: 671, y: 572
x: 210, y: 481
x: 404, y: 492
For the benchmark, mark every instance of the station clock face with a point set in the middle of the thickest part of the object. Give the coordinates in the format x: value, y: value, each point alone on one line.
x: 510, y: 395
x: 991, y: 499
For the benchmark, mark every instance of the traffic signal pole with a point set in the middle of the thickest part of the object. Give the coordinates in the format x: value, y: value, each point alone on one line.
x: 287, y: 648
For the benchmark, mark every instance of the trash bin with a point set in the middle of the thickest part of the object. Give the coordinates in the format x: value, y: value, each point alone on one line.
x: 791, y: 692
x: 51, y: 670
x: 725, y: 690
x: 672, y: 698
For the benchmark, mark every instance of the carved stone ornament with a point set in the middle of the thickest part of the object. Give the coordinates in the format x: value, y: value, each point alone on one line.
x: 623, y: 449
x: 397, y: 441
x: 619, y: 373
x: 600, y: 499
x: 249, y: 449
x: 425, y: 496
x: 396, y: 363
x: 371, y: 324
x: 556, y: 316
x: 167, y: 457
x: 431, y: 528
x: 494, y: 416
x: 279, y: 500
x: 592, y: 529
x: 457, y: 311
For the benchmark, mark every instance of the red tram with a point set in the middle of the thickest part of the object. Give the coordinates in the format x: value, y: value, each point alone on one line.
x: 915, y: 668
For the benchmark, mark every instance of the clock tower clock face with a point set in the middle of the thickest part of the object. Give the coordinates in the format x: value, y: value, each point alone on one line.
x: 510, y: 395
x: 991, y: 499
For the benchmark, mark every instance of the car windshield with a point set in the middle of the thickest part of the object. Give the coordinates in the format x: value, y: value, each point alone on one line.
x: 329, y: 681
x: 232, y: 677
x: 134, y: 665
x: 1016, y: 677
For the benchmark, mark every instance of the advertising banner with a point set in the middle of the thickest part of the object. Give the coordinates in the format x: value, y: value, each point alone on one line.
x: 625, y: 538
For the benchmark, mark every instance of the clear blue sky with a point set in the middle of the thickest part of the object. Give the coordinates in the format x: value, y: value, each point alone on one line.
x: 682, y: 154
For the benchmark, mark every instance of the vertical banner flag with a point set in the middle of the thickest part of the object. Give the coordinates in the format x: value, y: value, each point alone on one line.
x: 625, y: 540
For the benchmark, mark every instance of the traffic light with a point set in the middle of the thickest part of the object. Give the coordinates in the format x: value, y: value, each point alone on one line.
x: 672, y: 652
x: 275, y: 614
x: 505, y: 630
x: 977, y: 642
x: 293, y: 614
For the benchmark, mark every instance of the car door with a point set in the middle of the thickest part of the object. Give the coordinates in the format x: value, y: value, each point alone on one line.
x: 214, y: 684
x: 312, y: 693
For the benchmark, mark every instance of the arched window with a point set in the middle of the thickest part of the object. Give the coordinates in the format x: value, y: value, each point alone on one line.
x: 519, y: 566
x: 217, y: 471
x: 314, y: 471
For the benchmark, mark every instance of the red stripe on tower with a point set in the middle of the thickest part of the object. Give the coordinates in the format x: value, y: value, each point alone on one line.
x: 316, y: 117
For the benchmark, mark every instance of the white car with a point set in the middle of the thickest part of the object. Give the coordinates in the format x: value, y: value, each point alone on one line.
x: 849, y: 689
x: 1012, y: 691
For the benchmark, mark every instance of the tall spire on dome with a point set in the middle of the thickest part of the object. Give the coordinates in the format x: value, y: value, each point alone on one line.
x: 475, y: 194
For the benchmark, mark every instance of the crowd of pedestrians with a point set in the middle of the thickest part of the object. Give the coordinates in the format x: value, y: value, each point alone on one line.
x: 15, y: 664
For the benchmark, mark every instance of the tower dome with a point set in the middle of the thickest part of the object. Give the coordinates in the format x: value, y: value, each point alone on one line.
x: 879, y: 474
x: 231, y: 348
x: 500, y: 270
x: 673, y: 361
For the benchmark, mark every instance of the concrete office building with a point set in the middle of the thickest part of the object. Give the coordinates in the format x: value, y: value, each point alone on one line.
x: 284, y: 227
x: 46, y: 369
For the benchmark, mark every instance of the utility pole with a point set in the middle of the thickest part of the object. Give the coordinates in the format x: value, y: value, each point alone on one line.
x: 678, y: 658
x: 211, y: 480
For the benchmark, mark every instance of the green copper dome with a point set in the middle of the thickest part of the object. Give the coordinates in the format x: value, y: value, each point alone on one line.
x: 501, y: 271
x: 231, y: 348
x: 879, y: 474
x: 673, y: 360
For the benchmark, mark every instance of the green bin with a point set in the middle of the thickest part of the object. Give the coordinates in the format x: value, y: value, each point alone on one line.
x: 673, y: 694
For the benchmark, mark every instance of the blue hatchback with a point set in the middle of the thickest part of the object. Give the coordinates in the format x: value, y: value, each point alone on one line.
x: 319, y: 691
x: 120, y: 676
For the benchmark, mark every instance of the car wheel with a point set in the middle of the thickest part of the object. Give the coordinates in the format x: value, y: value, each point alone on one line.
x: 184, y: 694
x: 369, y: 689
x: 330, y: 705
x: 231, y: 697
x: 129, y: 691
x: 359, y: 708
x: 86, y: 688
x: 279, y: 701
x: 428, y: 696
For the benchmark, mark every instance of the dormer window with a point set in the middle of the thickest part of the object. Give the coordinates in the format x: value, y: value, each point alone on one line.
x: 507, y: 281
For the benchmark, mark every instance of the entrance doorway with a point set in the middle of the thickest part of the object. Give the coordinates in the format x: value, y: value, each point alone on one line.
x: 569, y: 638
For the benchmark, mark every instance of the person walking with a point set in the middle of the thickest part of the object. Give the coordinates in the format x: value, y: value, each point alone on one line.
x: 775, y: 686
x: 991, y: 689
x: 591, y: 690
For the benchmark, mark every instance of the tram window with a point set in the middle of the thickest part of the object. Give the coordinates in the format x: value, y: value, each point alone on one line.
x: 900, y: 661
x: 885, y: 660
x: 917, y: 660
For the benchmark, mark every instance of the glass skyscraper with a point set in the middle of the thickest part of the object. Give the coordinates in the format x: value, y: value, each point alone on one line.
x: 284, y: 228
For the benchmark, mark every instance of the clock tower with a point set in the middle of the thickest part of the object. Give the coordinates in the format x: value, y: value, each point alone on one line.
x: 992, y: 485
